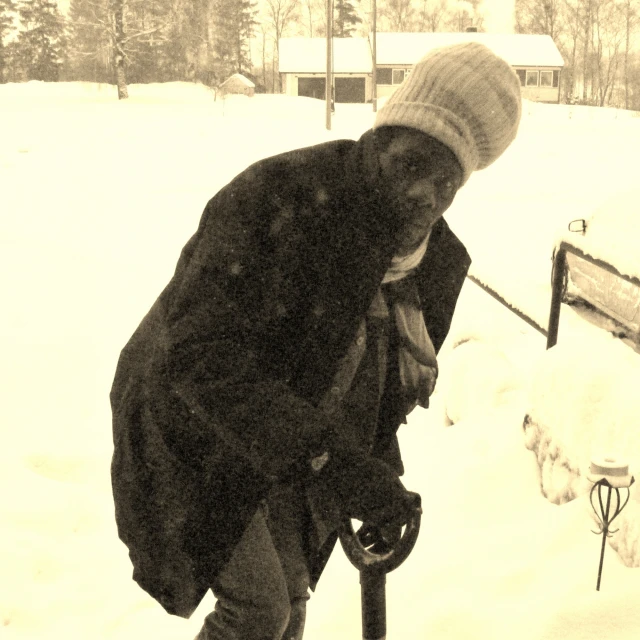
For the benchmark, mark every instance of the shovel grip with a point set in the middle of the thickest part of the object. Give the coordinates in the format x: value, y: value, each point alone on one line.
x: 362, y: 558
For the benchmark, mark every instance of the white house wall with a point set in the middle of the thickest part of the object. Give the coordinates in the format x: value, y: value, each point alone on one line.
x: 535, y: 93
x: 541, y: 94
x: 289, y: 84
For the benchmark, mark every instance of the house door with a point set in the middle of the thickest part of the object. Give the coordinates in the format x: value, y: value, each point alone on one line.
x: 350, y: 90
x: 311, y: 87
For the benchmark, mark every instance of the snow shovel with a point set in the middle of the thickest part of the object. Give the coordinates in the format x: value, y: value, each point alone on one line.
x: 373, y: 564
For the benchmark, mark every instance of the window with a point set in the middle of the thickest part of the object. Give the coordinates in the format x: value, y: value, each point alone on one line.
x: 546, y: 78
x: 398, y: 76
x: 522, y: 74
x: 556, y: 78
x: 391, y: 76
x: 532, y: 78
x: 383, y: 76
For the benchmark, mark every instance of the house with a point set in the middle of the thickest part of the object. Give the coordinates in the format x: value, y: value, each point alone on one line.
x: 237, y: 83
x: 535, y: 58
x: 303, y: 64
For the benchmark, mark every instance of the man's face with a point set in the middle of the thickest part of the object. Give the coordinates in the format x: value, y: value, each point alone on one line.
x: 421, y: 176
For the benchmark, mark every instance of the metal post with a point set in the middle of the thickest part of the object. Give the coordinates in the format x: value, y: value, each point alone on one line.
x: 329, y: 78
x: 557, y: 287
x: 374, y: 55
x: 605, y: 533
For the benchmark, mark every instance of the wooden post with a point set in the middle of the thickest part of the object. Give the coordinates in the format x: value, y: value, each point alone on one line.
x: 329, y: 74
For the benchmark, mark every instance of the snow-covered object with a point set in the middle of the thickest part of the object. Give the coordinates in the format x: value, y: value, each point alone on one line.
x: 476, y: 378
x: 608, y: 233
x: 237, y: 83
x: 612, y: 231
x: 584, y: 405
x: 486, y: 360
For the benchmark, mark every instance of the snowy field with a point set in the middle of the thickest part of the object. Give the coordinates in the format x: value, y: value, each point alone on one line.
x: 97, y: 199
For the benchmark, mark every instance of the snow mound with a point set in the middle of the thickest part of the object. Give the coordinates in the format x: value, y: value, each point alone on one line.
x: 92, y: 92
x: 476, y: 378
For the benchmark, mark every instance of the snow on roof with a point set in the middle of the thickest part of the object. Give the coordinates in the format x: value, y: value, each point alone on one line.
x: 309, y: 55
x: 517, y: 49
x: 239, y: 77
x: 353, y: 55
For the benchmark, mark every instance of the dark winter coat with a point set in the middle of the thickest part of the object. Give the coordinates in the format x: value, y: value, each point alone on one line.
x: 216, y: 393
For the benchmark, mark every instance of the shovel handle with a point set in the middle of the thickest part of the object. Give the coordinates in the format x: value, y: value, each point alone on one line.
x: 361, y: 558
x: 374, y: 604
x: 374, y: 567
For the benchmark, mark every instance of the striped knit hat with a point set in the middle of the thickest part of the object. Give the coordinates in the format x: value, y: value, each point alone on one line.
x: 464, y: 96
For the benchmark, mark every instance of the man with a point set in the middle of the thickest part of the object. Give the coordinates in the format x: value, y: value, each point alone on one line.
x: 258, y: 401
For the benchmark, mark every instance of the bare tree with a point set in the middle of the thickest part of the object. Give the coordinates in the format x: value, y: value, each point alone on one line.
x: 314, y: 17
x: 630, y: 16
x: 539, y: 16
x: 608, y: 36
x: 119, y: 55
x: 432, y: 15
x: 280, y: 15
x: 113, y: 24
x: 572, y: 28
x: 587, y: 38
x: 399, y: 15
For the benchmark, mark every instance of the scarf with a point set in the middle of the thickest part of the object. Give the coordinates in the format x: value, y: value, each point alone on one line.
x: 417, y: 358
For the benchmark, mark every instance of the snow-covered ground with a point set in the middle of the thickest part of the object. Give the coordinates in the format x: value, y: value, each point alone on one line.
x: 97, y: 199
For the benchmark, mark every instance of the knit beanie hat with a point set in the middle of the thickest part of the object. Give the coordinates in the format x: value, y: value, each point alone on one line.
x: 464, y: 96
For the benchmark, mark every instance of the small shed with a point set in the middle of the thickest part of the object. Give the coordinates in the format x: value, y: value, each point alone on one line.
x: 303, y: 62
x: 237, y: 84
x: 535, y: 58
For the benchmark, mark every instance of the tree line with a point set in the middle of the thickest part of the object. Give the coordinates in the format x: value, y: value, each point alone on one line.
x: 131, y: 41
x: 597, y: 39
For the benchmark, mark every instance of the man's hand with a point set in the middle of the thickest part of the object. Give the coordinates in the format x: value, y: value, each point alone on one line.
x: 366, y: 489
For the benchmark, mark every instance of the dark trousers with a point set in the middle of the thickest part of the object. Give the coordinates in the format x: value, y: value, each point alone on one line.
x: 263, y: 590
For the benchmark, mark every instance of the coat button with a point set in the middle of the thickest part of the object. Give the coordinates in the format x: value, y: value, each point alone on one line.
x: 360, y: 341
x: 335, y: 390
